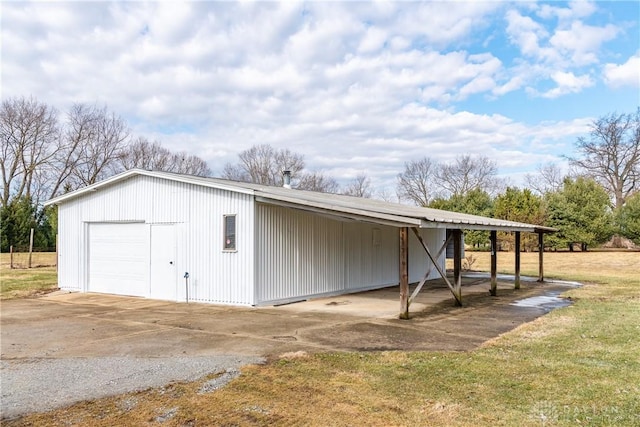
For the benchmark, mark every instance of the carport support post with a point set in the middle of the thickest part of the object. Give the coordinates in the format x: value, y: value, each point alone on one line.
x: 540, y: 256
x: 404, y: 273
x: 457, y: 264
x: 494, y: 262
x: 517, y: 284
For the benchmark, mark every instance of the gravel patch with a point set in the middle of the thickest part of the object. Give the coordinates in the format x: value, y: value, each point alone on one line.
x: 39, y: 385
x: 221, y: 381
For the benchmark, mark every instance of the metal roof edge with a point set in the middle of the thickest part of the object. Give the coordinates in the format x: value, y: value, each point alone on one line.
x: 334, y: 204
x: 93, y: 187
x: 340, y: 211
x: 187, y: 179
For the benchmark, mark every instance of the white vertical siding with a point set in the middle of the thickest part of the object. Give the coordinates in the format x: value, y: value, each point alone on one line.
x: 215, y: 275
x: 300, y: 254
x: 297, y: 254
x: 372, y: 255
x: 419, y: 261
x: 71, y: 249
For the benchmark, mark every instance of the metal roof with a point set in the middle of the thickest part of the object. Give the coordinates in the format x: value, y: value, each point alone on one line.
x: 334, y: 205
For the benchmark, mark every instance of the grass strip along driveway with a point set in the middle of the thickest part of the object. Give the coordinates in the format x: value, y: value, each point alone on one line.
x: 578, y: 365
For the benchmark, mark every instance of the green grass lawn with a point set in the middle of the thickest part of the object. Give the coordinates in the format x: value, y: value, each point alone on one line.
x: 576, y: 366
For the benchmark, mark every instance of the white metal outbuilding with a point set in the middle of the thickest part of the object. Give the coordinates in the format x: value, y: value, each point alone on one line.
x: 139, y: 233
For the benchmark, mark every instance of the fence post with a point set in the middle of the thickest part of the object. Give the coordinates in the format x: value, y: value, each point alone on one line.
x: 30, y: 247
x: 11, y: 256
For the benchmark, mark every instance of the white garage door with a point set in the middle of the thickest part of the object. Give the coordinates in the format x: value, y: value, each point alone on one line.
x: 119, y: 259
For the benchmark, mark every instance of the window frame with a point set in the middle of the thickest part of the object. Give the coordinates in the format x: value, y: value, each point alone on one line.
x: 231, y: 237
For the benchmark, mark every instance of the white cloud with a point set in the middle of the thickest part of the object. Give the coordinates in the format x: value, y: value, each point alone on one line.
x: 352, y: 85
x: 373, y: 40
x: 627, y: 74
x: 525, y: 33
x: 567, y: 83
x: 556, y: 46
x: 581, y: 42
x: 577, y: 9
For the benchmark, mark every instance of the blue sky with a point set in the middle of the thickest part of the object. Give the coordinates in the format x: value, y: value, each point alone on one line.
x: 356, y: 87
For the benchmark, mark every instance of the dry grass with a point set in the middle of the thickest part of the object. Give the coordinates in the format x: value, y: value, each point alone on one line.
x: 579, y: 365
x: 21, y: 282
x: 21, y: 259
x: 579, y: 266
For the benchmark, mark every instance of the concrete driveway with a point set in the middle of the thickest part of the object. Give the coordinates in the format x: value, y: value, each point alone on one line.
x: 73, y: 332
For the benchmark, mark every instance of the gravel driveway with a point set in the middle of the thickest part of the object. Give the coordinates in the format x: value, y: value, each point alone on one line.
x: 30, y: 385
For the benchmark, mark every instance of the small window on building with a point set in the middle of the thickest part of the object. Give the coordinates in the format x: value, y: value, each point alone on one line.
x: 229, y: 232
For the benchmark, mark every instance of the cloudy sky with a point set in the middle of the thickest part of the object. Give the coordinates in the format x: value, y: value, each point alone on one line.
x: 356, y: 87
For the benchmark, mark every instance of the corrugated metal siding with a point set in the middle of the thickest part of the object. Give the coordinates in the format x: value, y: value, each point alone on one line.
x: 71, y: 247
x: 297, y: 254
x: 371, y: 255
x: 215, y: 275
x: 418, y: 260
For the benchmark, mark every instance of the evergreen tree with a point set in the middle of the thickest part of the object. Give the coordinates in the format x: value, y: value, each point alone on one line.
x: 581, y: 211
x: 520, y: 206
x: 17, y: 219
x: 474, y: 202
x: 628, y: 219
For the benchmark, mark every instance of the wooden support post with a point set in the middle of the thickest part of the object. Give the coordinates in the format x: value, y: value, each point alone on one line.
x: 404, y: 273
x: 517, y: 266
x: 540, y: 256
x: 30, y: 247
x: 457, y: 264
x: 494, y: 263
x: 443, y: 274
x: 11, y: 256
x: 417, y: 289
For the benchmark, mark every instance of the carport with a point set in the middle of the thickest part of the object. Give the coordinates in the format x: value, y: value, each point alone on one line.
x: 473, y: 223
x: 412, y: 219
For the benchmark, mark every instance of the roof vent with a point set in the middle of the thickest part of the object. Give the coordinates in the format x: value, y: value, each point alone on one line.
x: 286, y: 176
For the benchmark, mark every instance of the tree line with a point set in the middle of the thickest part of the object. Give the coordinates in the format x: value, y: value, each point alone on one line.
x: 599, y: 199
x: 45, y: 153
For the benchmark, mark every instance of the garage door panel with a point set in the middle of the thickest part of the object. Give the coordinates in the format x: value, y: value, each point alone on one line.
x: 119, y: 259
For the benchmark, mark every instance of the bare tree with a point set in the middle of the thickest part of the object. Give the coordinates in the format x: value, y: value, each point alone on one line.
x: 317, y: 181
x: 360, y: 186
x: 262, y: 164
x: 611, y: 154
x: 416, y: 182
x: 549, y: 178
x: 386, y: 195
x: 29, y: 135
x: 144, y: 154
x: 468, y: 173
x: 188, y: 164
x: 78, y: 131
x: 101, y: 146
x: 91, y: 146
x: 153, y: 156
